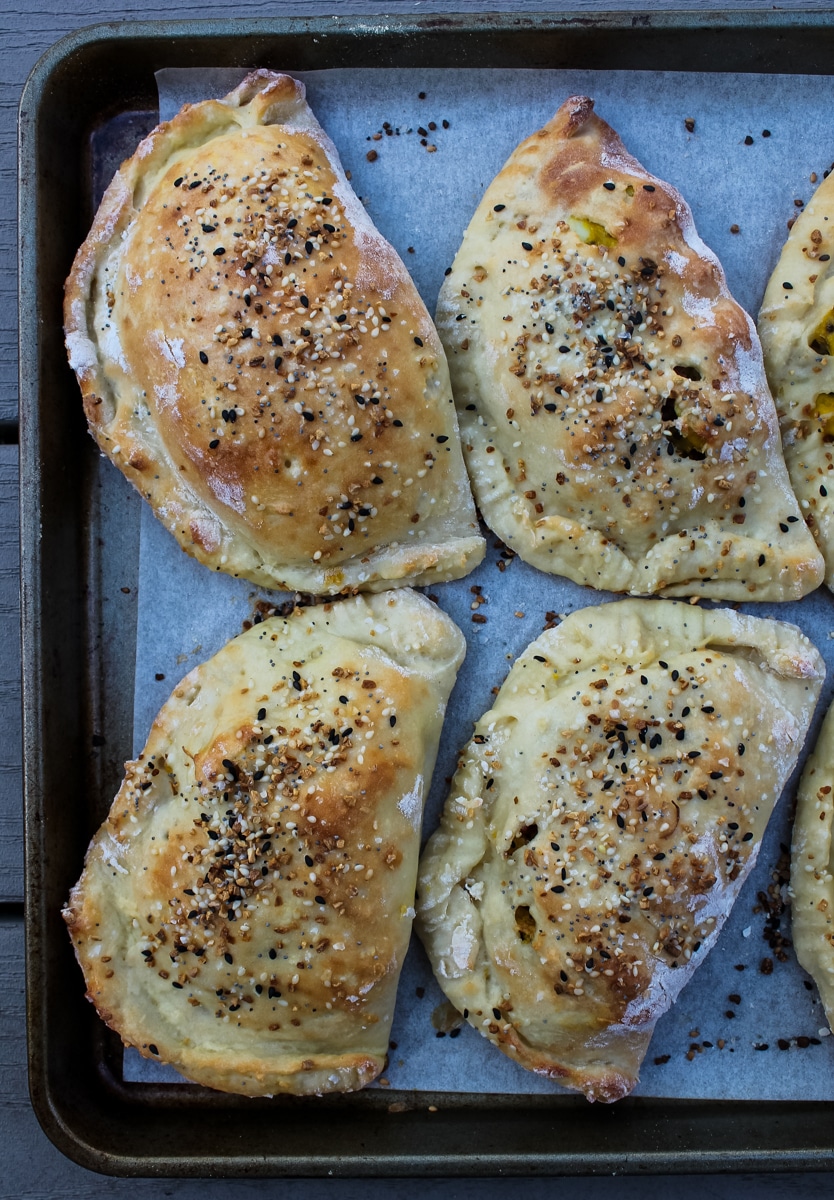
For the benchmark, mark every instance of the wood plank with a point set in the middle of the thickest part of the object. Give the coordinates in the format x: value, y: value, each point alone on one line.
x: 11, y: 819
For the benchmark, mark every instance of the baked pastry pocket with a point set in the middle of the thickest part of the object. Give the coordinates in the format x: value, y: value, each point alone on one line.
x: 601, y: 823
x: 796, y: 325
x: 246, y: 907
x: 255, y: 358
x: 812, y: 878
x: 615, y: 416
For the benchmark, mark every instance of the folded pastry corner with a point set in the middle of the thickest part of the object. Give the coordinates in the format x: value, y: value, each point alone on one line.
x: 601, y: 823
x: 256, y: 360
x: 614, y: 411
x: 245, y: 909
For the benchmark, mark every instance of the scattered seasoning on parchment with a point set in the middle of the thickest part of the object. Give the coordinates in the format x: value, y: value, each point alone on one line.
x: 734, y: 229
x: 689, y: 122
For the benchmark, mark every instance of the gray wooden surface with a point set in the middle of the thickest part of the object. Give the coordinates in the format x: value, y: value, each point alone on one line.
x: 29, y: 1164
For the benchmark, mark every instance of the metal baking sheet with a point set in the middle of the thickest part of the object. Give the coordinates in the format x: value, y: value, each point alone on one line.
x: 85, y: 539
x: 745, y: 1006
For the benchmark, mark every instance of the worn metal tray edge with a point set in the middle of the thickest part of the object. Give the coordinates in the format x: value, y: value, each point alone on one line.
x: 636, y: 1136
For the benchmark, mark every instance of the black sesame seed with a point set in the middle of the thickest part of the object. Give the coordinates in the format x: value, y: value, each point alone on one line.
x: 291, y: 224
x: 499, y: 207
x: 621, y: 261
x: 448, y: 271
x: 392, y: 721
x: 228, y: 957
x: 320, y: 900
x: 278, y: 362
x: 716, y: 775
x: 788, y: 287
x: 418, y: 341
x: 557, y: 889
x: 398, y: 424
x: 823, y: 492
x: 648, y: 187
x: 643, y: 680
x: 246, y: 333
x: 219, y: 251
x: 620, y: 821
x: 443, y: 438
x: 609, y: 186
x: 747, y: 837
x: 824, y: 257
x: 178, y: 181
x: 783, y: 527
x: 564, y: 349
x: 276, y: 339
x: 203, y: 357
x: 305, y: 303
x: 761, y: 560
x: 273, y: 953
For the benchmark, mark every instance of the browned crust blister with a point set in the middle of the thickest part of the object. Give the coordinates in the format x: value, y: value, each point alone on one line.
x: 601, y: 824
x: 255, y: 358
x: 614, y: 411
x: 246, y: 907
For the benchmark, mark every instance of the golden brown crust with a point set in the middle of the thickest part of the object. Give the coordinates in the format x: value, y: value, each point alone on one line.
x: 255, y: 358
x: 245, y: 909
x: 601, y: 824
x: 613, y: 407
x: 812, y: 867
x: 796, y: 325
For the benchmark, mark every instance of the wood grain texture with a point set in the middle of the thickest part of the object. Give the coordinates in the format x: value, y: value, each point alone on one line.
x: 11, y: 821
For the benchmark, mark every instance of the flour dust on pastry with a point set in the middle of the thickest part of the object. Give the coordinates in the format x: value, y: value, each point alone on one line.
x: 255, y: 358
x: 614, y: 411
x: 812, y: 868
x: 601, y: 823
x: 246, y: 907
x: 796, y: 325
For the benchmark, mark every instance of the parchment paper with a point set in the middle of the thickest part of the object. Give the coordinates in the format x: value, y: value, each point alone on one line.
x: 749, y: 1024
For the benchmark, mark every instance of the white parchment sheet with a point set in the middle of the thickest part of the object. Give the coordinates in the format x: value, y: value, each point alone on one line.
x: 737, y: 1030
